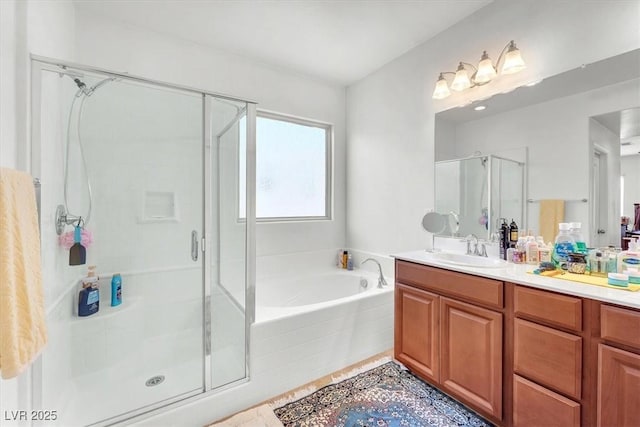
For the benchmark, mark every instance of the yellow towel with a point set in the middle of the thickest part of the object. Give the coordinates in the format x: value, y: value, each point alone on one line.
x: 551, y: 213
x: 22, y: 319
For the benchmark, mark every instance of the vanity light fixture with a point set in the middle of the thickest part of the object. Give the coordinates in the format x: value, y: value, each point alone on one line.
x: 485, y: 72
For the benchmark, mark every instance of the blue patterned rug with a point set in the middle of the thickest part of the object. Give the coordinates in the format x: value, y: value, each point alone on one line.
x: 385, y: 396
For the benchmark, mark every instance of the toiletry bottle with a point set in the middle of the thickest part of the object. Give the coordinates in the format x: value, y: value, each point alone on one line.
x: 349, y: 262
x: 532, y: 251
x: 89, y: 296
x: 629, y: 259
x: 504, y: 239
x: 544, y: 251
x: 116, y: 290
x: 520, y: 253
x: 345, y: 258
x: 563, y: 245
x: 339, y: 258
x: 576, y: 233
x: 513, y: 232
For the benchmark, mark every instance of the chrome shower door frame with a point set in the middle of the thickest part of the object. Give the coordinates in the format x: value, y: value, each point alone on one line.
x: 38, y: 64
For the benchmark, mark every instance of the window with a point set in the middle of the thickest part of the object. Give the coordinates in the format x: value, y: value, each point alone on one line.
x: 293, y: 169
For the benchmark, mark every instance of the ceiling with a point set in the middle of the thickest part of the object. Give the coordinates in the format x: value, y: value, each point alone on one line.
x: 341, y: 41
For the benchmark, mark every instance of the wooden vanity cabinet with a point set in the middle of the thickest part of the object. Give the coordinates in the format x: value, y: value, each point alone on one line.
x: 548, y: 350
x: 449, y: 331
x: 416, y: 338
x: 619, y: 367
x: 519, y: 355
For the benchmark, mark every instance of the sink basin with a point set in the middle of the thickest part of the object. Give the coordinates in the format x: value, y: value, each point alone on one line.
x: 469, y: 260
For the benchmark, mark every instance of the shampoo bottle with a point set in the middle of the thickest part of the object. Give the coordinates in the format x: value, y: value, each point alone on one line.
x: 116, y: 290
x: 513, y: 233
x: 89, y: 296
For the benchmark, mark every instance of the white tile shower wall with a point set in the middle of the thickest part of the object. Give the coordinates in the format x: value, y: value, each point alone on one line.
x: 157, y: 327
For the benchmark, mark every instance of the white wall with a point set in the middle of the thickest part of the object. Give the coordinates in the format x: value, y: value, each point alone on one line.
x: 117, y: 46
x: 26, y: 27
x: 630, y: 169
x: 391, y: 113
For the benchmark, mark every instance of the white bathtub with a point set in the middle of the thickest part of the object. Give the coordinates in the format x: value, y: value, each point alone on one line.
x: 287, y: 296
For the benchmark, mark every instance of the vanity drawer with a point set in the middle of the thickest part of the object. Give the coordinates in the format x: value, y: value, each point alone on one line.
x: 548, y: 356
x: 620, y: 325
x: 534, y: 405
x: 465, y: 287
x: 548, y: 307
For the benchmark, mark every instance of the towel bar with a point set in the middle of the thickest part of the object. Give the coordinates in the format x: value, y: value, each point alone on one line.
x: 568, y: 201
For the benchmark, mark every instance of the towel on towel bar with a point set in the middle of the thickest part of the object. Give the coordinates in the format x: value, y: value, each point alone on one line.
x: 551, y: 213
x: 22, y: 318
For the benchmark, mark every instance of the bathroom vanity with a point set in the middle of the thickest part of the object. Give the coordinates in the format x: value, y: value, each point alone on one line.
x: 520, y: 349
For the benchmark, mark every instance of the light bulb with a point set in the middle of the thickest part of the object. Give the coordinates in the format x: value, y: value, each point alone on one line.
x: 461, y: 80
x: 485, y: 72
x: 442, y: 89
x: 512, y: 60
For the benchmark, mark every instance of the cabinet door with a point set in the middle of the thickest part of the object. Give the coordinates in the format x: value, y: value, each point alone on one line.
x: 471, y: 355
x: 416, y: 330
x: 534, y: 405
x: 618, y: 387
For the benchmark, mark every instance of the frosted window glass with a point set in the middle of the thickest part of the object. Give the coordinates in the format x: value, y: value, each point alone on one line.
x: 291, y: 170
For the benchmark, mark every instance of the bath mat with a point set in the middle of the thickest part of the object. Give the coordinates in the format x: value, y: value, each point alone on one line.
x: 262, y: 416
x: 387, y: 395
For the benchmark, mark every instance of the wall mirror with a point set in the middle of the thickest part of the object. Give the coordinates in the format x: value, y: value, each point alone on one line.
x: 577, y: 133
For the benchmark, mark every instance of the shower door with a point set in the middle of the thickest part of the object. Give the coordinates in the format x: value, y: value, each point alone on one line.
x: 140, y: 147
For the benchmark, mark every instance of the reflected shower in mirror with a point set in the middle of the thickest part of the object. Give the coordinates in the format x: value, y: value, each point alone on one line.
x: 477, y: 191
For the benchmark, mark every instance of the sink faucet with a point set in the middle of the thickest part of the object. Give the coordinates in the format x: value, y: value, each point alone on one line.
x: 480, y: 251
x: 469, y: 238
x: 381, y: 281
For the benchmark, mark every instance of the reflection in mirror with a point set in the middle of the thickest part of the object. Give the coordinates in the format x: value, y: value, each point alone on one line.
x: 434, y: 223
x: 554, y: 128
x: 477, y: 191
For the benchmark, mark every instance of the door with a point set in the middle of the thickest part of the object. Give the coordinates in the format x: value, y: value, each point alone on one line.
x: 600, y: 235
x: 416, y: 330
x: 471, y: 354
x: 133, y: 156
x: 618, y: 387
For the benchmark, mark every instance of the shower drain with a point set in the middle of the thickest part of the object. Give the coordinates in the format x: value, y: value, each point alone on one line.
x: 154, y: 380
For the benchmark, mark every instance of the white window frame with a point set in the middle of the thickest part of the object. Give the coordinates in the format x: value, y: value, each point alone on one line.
x: 328, y: 128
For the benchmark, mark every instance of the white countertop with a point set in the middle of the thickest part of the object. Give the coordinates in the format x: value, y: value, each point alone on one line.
x: 517, y: 273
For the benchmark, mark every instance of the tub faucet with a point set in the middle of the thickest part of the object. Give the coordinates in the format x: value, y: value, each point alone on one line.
x: 381, y: 281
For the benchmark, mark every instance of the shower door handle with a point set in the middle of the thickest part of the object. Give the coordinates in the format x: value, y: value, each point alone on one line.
x: 194, y: 245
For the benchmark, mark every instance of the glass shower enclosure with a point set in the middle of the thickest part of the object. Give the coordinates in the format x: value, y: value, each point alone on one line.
x: 149, y: 173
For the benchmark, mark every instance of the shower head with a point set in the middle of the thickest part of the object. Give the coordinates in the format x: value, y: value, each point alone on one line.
x: 83, y: 89
x: 80, y: 83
